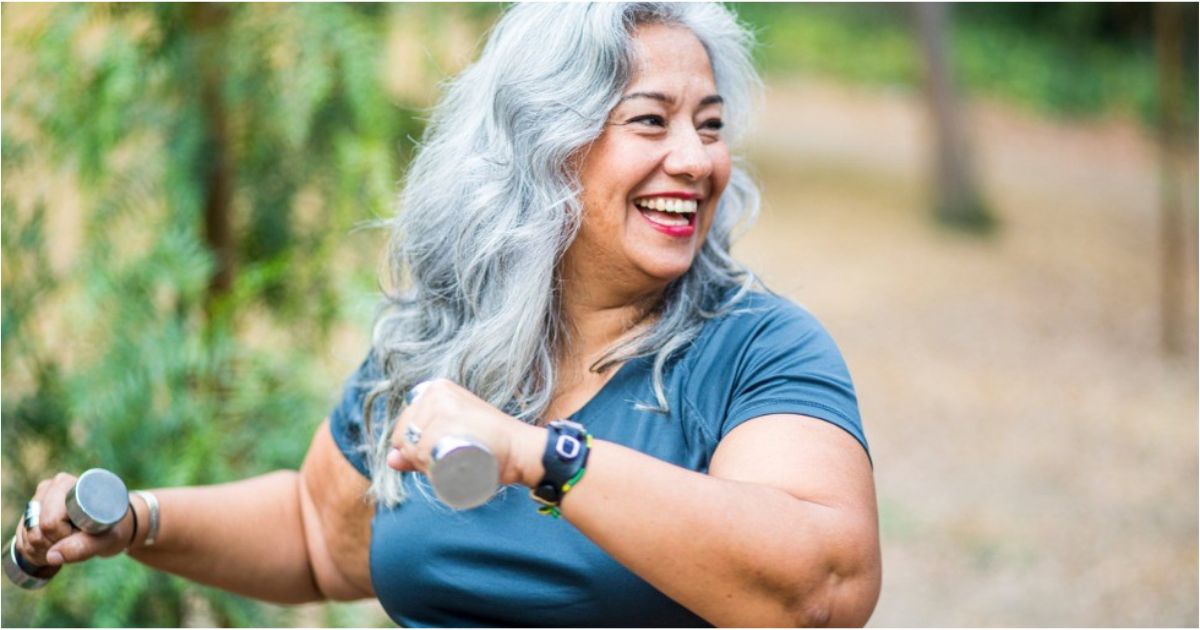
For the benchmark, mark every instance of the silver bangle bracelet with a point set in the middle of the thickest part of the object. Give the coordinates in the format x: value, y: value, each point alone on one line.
x: 152, y: 524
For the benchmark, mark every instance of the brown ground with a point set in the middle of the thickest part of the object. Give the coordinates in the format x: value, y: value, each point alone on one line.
x: 1035, y: 453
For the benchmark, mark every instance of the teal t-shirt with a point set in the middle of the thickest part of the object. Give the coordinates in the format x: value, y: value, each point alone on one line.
x: 503, y: 564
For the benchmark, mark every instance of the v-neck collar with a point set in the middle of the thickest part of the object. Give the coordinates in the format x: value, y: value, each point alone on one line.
x: 621, y: 372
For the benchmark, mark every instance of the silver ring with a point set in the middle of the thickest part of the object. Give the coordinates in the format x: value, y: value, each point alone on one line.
x: 412, y: 435
x: 33, y: 510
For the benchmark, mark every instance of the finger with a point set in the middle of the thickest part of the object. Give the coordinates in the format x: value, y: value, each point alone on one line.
x: 81, y: 546
x: 414, y: 457
x: 54, y: 524
x: 415, y: 392
x: 403, y: 421
x: 31, y: 542
x: 34, y: 556
x: 416, y: 410
x: 411, y: 428
x: 398, y: 462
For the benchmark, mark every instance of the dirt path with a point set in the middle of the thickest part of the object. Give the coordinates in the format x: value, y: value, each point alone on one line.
x: 1036, y: 456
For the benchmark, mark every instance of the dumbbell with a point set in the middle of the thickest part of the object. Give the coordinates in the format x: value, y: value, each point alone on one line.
x: 95, y: 504
x: 463, y: 472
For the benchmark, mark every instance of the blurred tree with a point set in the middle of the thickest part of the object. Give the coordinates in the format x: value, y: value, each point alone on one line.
x: 958, y: 203
x: 1177, y: 231
x: 219, y: 151
x: 1072, y: 59
x: 205, y: 23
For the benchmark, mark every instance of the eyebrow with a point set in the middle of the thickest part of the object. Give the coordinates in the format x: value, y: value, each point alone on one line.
x: 711, y: 99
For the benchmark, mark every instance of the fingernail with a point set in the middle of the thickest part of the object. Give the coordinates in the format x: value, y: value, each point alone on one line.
x: 54, y: 558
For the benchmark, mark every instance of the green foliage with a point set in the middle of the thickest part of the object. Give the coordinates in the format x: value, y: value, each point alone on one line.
x: 1067, y: 59
x: 118, y: 353
x: 870, y: 45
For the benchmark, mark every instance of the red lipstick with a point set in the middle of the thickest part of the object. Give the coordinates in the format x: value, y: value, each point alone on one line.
x: 679, y: 231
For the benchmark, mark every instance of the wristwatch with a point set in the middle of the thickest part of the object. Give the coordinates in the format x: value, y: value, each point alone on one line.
x: 568, y: 445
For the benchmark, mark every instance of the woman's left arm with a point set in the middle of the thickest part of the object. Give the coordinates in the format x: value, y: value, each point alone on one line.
x: 783, y: 530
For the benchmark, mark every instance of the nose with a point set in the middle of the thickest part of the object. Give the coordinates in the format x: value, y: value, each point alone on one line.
x: 687, y: 156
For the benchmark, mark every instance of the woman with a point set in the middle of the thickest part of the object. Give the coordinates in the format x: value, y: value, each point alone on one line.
x: 565, y: 238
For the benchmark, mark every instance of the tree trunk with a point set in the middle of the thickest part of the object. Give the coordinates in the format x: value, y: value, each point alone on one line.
x: 958, y: 202
x: 1168, y: 39
x: 207, y: 23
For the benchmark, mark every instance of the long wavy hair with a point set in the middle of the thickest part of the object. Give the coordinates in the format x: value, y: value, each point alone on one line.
x: 491, y: 204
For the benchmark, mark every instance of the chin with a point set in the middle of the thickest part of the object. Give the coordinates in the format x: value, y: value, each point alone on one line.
x: 667, y: 270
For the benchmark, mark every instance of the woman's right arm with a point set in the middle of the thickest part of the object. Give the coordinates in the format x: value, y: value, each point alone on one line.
x: 284, y: 537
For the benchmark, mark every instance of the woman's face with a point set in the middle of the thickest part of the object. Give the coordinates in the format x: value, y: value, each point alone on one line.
x: 652, y: 179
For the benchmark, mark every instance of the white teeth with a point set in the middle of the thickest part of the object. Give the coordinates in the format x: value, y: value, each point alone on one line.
x: 667, y: 204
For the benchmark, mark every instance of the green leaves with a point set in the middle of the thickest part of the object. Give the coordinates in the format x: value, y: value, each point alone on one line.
x: 132, y: 127
x: 1068, y: 59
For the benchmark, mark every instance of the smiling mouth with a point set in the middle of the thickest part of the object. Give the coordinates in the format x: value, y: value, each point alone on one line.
x: 668, y: 212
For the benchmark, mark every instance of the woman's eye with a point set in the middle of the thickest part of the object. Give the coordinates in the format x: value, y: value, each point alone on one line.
x: 649, y: 120
x: 712, y: 124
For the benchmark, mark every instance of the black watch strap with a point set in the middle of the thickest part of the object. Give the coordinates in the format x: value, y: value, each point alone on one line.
x: 567, y: 448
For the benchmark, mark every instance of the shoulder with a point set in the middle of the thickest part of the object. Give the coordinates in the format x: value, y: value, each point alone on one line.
x: 765, y: 354
x: 761, y: 319
x: 347, y: 421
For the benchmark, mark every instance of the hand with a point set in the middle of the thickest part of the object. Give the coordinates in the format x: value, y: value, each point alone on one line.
x: 446, y: 409
x: 55, y: 541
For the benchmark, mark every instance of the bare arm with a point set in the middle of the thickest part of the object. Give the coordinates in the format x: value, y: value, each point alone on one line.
x: 284, y: 537
x: 782, y: 532
x: 246, y: 537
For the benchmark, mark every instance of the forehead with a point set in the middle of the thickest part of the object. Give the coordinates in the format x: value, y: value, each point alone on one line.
x: 669, y: 57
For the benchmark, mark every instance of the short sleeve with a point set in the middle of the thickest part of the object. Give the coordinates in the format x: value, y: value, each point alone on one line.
x: 790, y: 365
x: 346, y: 422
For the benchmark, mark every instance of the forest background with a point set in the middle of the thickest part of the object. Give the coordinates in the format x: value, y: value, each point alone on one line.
x: 992, y: 207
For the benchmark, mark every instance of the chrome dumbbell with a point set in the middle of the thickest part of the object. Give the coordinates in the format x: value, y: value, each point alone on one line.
x: 95, y: 504
x: 464, y: 473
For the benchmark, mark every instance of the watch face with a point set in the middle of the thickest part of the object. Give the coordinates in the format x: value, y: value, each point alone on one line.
x: 567, y: 447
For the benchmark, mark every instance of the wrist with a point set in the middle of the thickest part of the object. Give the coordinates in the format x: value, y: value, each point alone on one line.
x: 139, y: 514
x: 564, y: 462
x: 525, y: 455
x: 127, y: 529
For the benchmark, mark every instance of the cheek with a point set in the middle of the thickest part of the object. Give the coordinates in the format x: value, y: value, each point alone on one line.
x: 602, y: 181
x: 606, y: 191
x: 722, y: 167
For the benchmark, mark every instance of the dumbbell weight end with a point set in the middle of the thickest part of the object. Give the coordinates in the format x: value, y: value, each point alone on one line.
x: 95, y: 504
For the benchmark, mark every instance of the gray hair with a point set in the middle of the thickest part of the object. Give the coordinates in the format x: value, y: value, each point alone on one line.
x: 491, y: 204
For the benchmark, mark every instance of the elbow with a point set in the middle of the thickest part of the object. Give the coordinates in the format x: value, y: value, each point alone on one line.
x: 841, y: 599
x: 340, y: 592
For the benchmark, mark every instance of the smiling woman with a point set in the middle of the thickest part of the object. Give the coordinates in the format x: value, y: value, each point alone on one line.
x: 566, y: 300
x: 652, y: 180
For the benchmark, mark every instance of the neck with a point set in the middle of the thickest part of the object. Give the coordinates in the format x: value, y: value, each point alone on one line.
x: 598, y: 317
